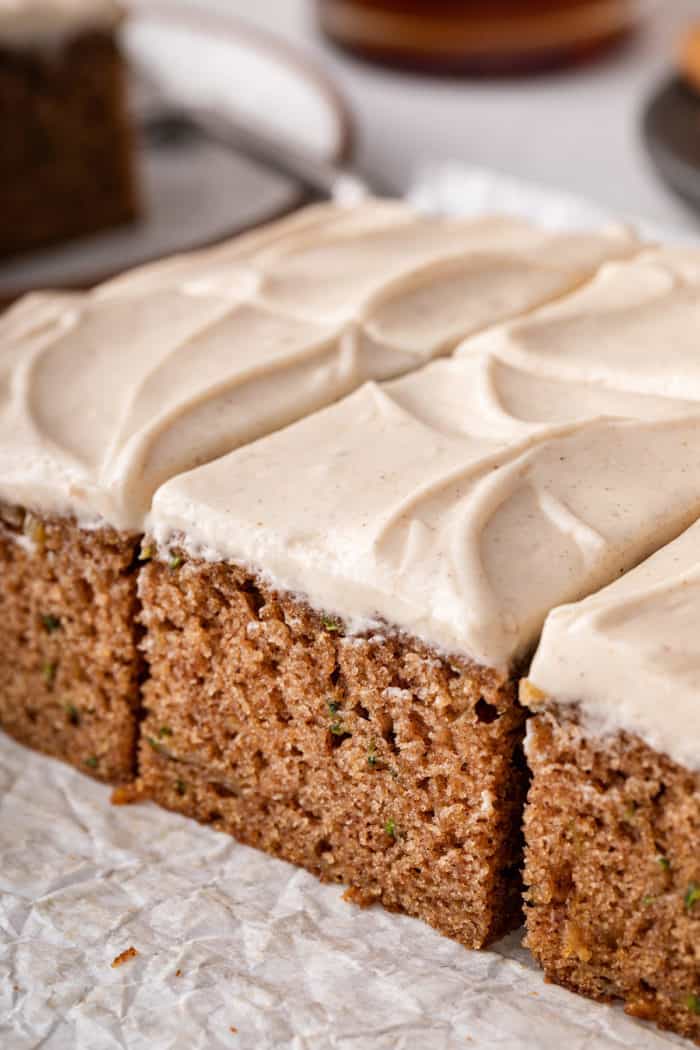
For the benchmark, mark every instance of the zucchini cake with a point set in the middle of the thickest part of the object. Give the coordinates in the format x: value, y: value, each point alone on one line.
x: 338, y: 613
x: 66, y: 164
x: 613, y: 818
x: 105, y: 395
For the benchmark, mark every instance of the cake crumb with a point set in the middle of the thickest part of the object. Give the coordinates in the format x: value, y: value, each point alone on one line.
x: 178, y: 973
x: 362, y: 898
x: 233, y: 1029
x: 126, y: 794
x: 530, y: 695
x: 125, y: 956
x: 575, y: 945
x: 644, y: 1009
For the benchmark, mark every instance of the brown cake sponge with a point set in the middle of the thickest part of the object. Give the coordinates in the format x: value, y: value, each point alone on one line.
x: 612, y: 871
x: 71, y: 665
x: 372, y: 761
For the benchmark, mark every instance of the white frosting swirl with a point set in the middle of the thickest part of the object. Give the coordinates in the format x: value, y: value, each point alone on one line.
x: 106, y: 395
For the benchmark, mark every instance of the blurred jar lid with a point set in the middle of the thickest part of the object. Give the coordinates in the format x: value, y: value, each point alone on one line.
x: 478, y: 35
x: 689, y: 56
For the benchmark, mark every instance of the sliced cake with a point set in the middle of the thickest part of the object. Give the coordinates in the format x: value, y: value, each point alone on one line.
x: 338, y: 613
x: 613, y: 818
x: 66, y: 163
x: 106, y: 395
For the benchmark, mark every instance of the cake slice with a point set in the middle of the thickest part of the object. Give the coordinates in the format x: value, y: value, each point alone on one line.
x: 613, y: 817
x: 106, y: 395
x: 66, y: 164
x: 338, y: 613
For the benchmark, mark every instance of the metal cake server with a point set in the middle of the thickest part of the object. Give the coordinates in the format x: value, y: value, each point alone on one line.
x: 172, y: 124
x: 169, y: 123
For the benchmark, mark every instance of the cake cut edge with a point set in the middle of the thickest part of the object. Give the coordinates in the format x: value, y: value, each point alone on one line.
x: 612, y: 868
x: 71, y: 668
x: 372, y: 761
x: 69, y: 164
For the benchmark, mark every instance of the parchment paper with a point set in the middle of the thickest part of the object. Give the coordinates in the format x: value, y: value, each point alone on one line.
x: 235, y: 949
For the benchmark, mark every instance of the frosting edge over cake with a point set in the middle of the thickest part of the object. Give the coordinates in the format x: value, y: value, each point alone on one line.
x: 104, y: 395
x: 628, y: 657
x: 465, y: 501
x: 39, y: 23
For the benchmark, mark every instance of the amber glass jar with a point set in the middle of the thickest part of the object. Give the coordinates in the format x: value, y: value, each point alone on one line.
x: 478, y: 36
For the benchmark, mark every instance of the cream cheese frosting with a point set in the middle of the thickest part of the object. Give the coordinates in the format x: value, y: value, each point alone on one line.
x: 463, y: 502
x: 30, y: 23
x: 628, y: 657
x: 107, y: 394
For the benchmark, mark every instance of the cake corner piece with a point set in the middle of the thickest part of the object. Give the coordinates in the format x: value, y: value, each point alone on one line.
x: 612, y: 819
x: 68, y: 164
x: 612, y: 879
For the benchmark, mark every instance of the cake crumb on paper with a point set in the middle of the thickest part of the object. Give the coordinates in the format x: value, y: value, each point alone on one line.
x: 125, y: 956
x: 126, y: 795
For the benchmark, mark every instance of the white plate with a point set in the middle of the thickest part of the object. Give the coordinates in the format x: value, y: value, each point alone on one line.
x: 198, y: 193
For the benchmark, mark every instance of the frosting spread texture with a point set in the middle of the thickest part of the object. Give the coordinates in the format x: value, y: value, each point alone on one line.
x: 27, y: 23
x: 628, y: 657
x: 105, y: 395
x: 465, y: 501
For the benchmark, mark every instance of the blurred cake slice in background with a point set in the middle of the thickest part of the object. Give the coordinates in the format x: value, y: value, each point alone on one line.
x: 66, y: 162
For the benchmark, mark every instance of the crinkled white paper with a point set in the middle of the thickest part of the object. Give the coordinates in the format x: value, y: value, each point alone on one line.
x: 228, y: 938
x: 453, y: 189
x: 259, y: 946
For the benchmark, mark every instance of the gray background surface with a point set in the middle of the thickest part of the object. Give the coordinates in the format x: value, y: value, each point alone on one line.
x: 577, y: 130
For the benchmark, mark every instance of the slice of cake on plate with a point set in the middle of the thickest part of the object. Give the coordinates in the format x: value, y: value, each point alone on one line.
x: 66, y: 163
x: 106, y: 395
x: 338, y: 613
x: 613, y: 818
